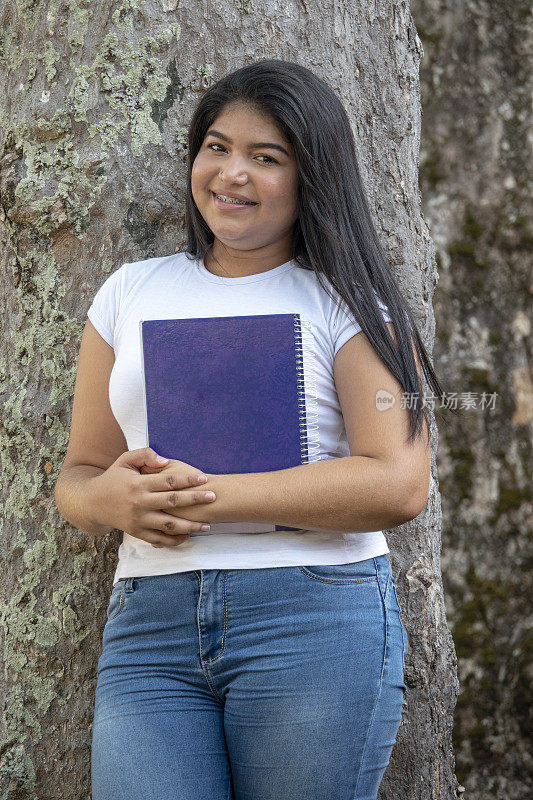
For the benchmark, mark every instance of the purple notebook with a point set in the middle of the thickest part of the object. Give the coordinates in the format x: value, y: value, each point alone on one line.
x: 226, y: 394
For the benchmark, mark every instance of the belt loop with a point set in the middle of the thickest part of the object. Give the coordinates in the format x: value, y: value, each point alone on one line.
x: 128, y: 585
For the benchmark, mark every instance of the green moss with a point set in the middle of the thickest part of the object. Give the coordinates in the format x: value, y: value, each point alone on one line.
x: 521, y: 222
x: 477, y: 379
x: 430, y: 171
x: 434, y: 36
x: 138, y: 93
x: 472, y: 229
x: 50, y: 57
x: 106, y: 265
x: 124, y: 16
x: 56, y: 187
x: 462, y: 248
x: 511, y: 234
x: 488, y: 655
x: 462, y: 471
x: 78, y: 23
x: 463, y: 454
x: 463, y: 461
x: 30, y: 12
x: 512, y: 497
x: 121, y: 66
x: 478, y: 376
x: 17, y: 773
x: 525, y: 448
x: 467, y: 247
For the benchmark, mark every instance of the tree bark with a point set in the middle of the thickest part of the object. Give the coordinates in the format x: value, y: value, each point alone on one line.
x: 476, y: 185
x: 92, y: 135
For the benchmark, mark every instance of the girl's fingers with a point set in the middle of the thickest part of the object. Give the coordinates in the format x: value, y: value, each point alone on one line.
x: 160, y: 500
x: 171, y: 479
x: 168, y: 524
x: 158, y: 539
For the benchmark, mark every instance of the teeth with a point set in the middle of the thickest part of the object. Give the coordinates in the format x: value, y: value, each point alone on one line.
x: 231, y: 200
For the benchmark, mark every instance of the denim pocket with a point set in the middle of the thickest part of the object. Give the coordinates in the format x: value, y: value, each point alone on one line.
x: 353, y: 572
x: 117, y: 600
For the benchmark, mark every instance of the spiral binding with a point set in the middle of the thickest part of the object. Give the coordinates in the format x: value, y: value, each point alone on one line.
x: 307, y: 392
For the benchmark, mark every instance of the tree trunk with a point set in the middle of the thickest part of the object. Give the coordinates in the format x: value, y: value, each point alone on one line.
x: 99, y: 96
x: 476, y: 185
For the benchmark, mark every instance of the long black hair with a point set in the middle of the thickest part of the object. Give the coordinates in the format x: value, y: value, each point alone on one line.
x: 334, y: 235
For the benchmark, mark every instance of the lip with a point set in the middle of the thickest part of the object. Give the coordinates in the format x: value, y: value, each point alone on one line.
x: 222, y: 204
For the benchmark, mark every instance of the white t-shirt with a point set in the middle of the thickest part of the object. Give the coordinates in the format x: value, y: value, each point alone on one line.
x: 177, y: 286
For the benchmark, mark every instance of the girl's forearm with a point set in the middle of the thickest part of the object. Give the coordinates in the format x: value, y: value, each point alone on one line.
x: 73, y: 494
x: 355, y: 493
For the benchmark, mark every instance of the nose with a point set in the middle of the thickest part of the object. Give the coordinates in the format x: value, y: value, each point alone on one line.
x: 234, y: 169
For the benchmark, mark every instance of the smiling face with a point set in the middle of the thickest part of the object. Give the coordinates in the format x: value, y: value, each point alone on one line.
x: 235, y: 159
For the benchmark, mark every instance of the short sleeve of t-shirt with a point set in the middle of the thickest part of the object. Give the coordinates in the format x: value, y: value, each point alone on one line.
x: 343, y: 325
x: 103, y: 311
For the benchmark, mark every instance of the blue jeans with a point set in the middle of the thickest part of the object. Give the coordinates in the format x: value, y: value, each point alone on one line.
x: 249, y: 684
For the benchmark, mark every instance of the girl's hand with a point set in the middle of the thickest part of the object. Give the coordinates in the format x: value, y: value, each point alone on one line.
x: 185, y: 510
x: 133, y: 493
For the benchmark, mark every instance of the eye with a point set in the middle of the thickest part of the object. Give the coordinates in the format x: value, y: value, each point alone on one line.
x: 216, y: 144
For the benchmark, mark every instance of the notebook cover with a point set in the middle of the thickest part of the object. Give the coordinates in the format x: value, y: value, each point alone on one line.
x: 226, y: 394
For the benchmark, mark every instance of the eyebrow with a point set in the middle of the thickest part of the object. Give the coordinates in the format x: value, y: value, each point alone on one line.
x: 271, y: 145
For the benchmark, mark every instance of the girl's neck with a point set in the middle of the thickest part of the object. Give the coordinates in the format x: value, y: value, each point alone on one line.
x: 220, y: 264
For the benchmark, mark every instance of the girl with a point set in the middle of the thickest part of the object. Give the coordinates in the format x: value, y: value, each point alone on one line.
x: 237, y: 664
